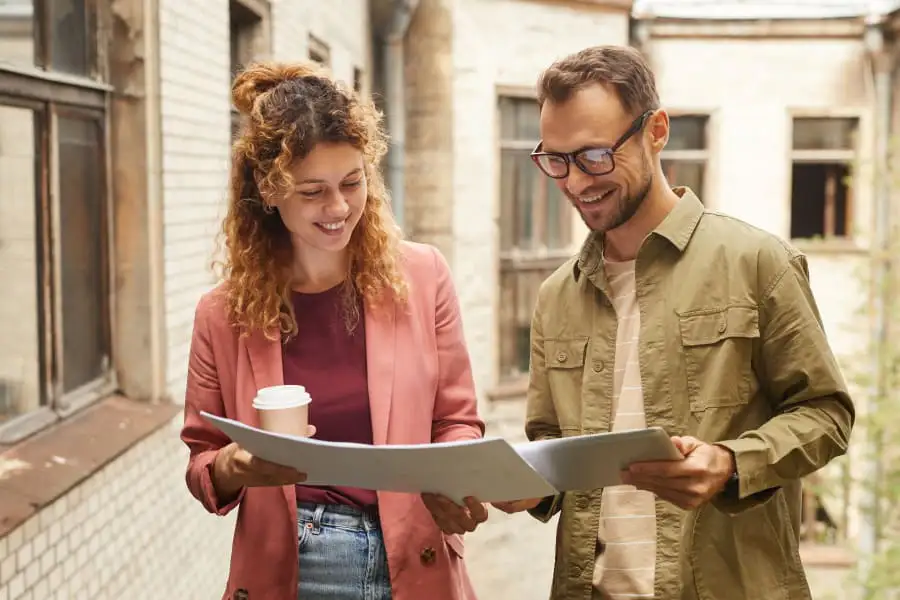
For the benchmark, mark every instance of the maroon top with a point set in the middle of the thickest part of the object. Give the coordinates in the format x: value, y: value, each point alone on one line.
x: 331, y: 364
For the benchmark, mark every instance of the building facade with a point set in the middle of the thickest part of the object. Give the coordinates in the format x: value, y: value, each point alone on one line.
x: 115, y: 123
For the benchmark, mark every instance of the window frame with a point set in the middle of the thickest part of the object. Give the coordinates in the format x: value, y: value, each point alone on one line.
x: 522, y: 265
x: 51, y: 94
x: 849, y: 157
x: 257, y: 16
x: 701, y: 156
x: 319, y: 51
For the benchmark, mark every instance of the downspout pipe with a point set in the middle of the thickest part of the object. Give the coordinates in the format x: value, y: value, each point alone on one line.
x: 881, y: 60
x: 395, y: 101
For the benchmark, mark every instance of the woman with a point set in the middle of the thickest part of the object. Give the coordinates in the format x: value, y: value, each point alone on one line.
x: 319, y: 291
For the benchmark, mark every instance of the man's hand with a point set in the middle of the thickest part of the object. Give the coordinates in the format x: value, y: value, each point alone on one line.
x: 688, y: 483
x: 517, y: 505
x: 453, y: 518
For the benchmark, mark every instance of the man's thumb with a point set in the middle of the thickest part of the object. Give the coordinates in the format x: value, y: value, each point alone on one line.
x: 685, y: 444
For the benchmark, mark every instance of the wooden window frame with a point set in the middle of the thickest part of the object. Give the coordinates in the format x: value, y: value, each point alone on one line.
x: 52, y: 94
x: 693, y: 156
x: 319, y: 51
x: 524, y: 267
x: 256, y: 18
x: 845, y: 156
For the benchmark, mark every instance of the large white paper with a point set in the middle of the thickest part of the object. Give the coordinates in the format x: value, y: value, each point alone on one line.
x: 487, y: 469
x: 589, y: 462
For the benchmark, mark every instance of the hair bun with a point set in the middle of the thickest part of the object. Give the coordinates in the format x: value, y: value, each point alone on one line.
x: 258, y: 78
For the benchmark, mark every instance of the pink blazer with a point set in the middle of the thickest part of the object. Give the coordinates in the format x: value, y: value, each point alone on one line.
x: 421, y: 390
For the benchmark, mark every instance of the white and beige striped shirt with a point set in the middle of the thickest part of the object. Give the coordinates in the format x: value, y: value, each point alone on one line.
x: 625, y: 564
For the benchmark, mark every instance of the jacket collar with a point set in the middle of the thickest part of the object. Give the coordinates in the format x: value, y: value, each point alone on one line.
x: 677, y: 229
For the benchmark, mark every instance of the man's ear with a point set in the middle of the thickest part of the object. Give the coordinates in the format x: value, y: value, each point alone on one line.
x: 658, y: 127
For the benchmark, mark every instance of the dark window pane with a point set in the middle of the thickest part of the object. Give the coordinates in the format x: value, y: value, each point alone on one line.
x: 85, y: 336
x: 820, y: 200
x: 687, y: 133
x: 685, y: 173
x: 17, y: 32
x: 824, y: 133
x: 21, y: 388
x: 520, y: 119
x: 71, y: 36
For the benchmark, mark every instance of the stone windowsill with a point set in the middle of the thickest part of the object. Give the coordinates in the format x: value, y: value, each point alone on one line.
x: 41, y: 468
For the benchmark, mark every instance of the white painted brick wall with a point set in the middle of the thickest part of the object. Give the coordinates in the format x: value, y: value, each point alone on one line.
x: 500, y: 43
x: 131, y: 531
x: 194, y: 71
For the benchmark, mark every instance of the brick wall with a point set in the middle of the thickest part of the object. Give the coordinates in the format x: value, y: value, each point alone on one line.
x: 497, y: 44
x: 132, y: 530
x: 194, y: 71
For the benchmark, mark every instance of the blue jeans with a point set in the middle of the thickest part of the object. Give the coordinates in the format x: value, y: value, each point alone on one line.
x: 342, y: 554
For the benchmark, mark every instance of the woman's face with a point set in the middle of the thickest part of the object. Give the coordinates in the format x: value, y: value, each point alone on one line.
x: 328, y: 198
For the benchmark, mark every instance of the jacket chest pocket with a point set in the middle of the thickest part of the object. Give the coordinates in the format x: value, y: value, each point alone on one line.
x: 565, y: 371
x: 717, y: 353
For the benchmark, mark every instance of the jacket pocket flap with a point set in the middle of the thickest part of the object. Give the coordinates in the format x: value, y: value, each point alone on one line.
x: 710, y: 327
x: 565, y: 354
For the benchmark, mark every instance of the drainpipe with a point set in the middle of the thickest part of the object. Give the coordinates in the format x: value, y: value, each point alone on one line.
x: 881, y: 62
x: 395, y: 100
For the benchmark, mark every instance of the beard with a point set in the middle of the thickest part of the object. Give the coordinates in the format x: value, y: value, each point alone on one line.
x: 628, y: 203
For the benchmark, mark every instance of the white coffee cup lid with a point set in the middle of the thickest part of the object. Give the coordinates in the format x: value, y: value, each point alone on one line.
x: 281, y: 396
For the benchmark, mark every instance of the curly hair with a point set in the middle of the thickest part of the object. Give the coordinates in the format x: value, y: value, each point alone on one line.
x: 287, y: 109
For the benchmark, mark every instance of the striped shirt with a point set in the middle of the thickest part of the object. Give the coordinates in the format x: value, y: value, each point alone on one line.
x: 626, y: 556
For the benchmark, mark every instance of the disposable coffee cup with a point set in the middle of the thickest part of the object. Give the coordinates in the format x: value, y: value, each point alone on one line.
x: 283, y: 409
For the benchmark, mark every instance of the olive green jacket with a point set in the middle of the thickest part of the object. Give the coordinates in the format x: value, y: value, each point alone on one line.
x: 732, y: 350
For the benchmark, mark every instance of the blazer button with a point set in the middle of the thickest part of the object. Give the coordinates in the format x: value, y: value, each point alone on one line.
x: 428, y: 556
x: 241, y: 595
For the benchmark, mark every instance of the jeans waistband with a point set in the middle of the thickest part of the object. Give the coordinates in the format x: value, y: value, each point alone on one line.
x: 338, y: 515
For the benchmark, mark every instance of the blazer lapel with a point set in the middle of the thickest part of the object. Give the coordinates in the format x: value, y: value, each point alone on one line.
x: 267, y: 367
x: 265, y: 360
x: 380, y: 345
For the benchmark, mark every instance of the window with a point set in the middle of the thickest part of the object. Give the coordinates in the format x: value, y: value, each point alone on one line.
x: 535, y: 230
x: 55, y: 315
x: 247, y: 20
x: 357, y: 80
x: 686, y: 154
x: 821, y: 197
x: 319, y: 51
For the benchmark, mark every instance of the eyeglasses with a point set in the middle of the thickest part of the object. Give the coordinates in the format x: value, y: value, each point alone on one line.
x: 593, y: 161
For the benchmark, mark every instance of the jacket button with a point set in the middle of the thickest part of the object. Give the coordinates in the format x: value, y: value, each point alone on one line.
x: 562, y: 357
x: 241, y: 595
x: 598, y: 366
x: 428, y: 556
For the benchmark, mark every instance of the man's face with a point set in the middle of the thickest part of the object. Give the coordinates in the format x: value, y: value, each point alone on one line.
x: 594, y: 118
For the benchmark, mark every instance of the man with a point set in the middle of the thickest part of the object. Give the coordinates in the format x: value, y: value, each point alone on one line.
x: 679, y: 318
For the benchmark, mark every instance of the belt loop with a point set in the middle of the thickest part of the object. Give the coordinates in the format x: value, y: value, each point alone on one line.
x: 317, y: 518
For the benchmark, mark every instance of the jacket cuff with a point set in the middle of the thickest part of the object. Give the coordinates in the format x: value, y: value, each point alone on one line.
x: 755, y: 487
x: 548, y: 507
x: 210, y: 500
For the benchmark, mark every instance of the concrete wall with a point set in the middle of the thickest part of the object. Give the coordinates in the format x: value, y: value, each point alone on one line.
x: 132, y: 530
x: 501, y: 46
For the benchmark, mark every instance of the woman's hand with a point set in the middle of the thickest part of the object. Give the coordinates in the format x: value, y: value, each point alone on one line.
x: 453, y: 518
x: 235, y: 469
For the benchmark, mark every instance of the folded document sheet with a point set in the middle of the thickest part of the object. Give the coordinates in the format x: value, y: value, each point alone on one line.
x: 489, y: 469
